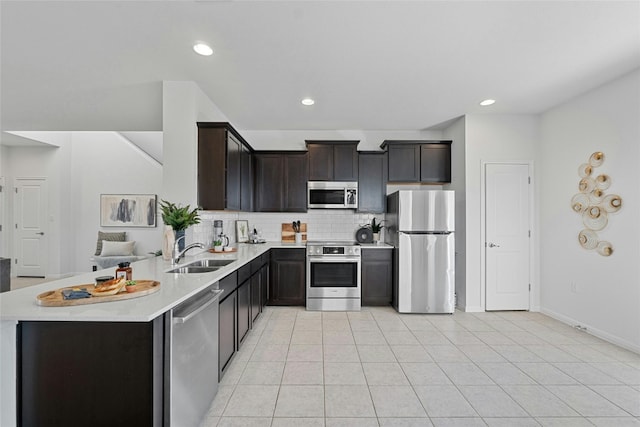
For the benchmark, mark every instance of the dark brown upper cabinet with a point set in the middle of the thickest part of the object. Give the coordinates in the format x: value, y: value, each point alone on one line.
x: 427, y: 161
x: 333, y: 160
x: 280, y: 181
x: 372, y: 182
x: 224, y: 168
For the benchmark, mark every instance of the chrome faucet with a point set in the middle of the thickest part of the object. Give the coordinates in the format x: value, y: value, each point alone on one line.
x: 177, y: 254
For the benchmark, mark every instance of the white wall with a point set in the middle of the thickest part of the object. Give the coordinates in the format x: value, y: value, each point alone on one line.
x: 48, y: 162
x: 508, y: 138
x: 370, y: 140
x: 4, y: 211
x: 183, y: 104
x: 606, y: 298
x: 107, y: 163
x: 81, y: 167
x: 457, y: 133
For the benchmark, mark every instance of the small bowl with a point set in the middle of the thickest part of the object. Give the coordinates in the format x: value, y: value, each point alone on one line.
x: 227, y: 249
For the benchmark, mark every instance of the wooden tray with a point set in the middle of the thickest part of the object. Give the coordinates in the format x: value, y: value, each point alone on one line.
x: 289, y: 236
x: 213, y: 251
x: 55, y: 299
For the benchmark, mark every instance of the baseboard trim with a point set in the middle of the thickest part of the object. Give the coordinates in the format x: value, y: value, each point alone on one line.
x: 613, y: 339
x: 472, y: 309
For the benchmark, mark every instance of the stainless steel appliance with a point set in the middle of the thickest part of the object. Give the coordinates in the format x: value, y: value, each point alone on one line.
x: 333, y: 276
x: 421, y: 224
x: 193, y: 358
x: 332, y: 195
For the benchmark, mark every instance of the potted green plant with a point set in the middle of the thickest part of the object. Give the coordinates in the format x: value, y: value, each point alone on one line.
x: 375, y: 229
x: 217, y: 245
x: 179, y: 218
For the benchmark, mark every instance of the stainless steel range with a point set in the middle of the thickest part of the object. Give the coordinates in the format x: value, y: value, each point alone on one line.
x: 333, y: 276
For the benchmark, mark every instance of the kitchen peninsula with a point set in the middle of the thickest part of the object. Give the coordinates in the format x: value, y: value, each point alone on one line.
x: 136, y: 328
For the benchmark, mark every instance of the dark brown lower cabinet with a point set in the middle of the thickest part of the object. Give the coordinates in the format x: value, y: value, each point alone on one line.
x: 377, y: 276
x: 244, y: 310
x: 227, y: 322
x: 264, y: 274
x: 227, y: 332
x: 256, y: 306
x: 244, y: 305
x: 287, y: 276
x: 85, y: 365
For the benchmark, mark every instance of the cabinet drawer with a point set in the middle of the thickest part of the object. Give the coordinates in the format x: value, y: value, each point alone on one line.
x: 295, y: 254
x: 255, y: 265
x: 228, y: 284
x: 244, y: 273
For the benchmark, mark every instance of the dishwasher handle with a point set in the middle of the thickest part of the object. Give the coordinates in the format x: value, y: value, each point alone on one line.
x: 195, y: 308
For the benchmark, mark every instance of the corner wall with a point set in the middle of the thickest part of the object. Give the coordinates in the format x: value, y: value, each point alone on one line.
x: 498, y: 138
x: 457, y: 133
x: 580, y: 286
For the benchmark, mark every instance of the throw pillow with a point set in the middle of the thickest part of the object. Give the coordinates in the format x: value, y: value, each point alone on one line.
x: 117, y: 248
x: 112, y: 237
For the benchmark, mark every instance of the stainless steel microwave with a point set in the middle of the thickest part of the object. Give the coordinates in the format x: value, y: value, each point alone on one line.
x: 332, y: 195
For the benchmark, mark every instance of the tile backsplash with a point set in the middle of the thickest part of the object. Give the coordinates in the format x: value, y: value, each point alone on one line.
x: 322, y: 224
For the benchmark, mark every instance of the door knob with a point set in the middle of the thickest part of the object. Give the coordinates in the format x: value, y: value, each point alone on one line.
x: 40, y: 233
x: 493, y: 245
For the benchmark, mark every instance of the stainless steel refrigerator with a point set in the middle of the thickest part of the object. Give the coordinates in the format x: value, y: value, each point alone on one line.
x: 420, y: 225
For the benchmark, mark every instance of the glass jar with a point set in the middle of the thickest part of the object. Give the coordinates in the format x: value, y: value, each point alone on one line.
x: 124, y: 270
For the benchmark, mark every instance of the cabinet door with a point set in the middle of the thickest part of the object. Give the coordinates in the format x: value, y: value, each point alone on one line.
x: 404, y: 163
x: 264, y: 284
x: 244, y: 310
x: 320, y: 162
x: 345, y: 162
x: 233, y: 173
x: 211, y: 168
x: 295, y: 182
x: 287, y: 277
x: 246, y: 180
x: 372, y: 182
x: 268, y: 182
x: 227, y: 332
x: 377, y: 276
x: 59, y: 380
x: 435, y: 163
x: 256, y: 305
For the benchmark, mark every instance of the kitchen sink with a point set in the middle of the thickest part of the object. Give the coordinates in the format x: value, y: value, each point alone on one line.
x: 202, y: 266
x: 210, y: 263
x: 192, y: 269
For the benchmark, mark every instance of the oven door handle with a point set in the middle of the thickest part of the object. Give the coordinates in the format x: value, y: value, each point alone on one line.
x: 353, y: 260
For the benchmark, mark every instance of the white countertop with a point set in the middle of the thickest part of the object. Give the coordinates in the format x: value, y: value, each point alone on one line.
x: 174, y: 289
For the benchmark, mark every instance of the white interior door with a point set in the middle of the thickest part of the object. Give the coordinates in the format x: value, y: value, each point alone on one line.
x: 507, y: 237
x: 31, y: 234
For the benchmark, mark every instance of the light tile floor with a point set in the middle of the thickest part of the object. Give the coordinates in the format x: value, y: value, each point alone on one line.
x: 380, y: 368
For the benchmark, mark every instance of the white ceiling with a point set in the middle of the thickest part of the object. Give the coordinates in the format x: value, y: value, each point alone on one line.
x: 91, y: 65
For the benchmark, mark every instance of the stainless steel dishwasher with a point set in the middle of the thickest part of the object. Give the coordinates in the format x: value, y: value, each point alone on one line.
x: 193, y: 358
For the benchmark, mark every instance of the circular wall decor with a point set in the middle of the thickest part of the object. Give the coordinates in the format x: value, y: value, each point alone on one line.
x: 594, y: 205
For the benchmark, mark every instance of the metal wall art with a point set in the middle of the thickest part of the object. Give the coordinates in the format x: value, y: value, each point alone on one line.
x: 593, y: 205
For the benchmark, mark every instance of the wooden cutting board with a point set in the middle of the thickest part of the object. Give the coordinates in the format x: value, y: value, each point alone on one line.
x: 289, y: 236
x: 55, y: 298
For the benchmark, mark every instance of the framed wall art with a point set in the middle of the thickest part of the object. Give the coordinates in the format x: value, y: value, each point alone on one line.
x: 242, y: 230
x: 128, y: 210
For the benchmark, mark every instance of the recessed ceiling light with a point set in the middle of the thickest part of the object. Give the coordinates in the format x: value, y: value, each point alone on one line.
x: 308, y: 101
x: 202, y: 49
x: 488, y: 102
